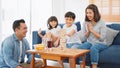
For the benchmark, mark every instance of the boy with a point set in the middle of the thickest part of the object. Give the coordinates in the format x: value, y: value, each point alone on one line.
x: 70, y: 28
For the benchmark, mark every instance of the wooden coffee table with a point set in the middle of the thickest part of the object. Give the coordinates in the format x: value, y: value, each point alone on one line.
x: 59, y: 55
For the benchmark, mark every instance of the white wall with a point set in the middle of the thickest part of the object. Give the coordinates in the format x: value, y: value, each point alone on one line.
x: 77, y: 6
x: 12, y: 10
x: 0, y: 22
x: 40, y: 12
x: 58, y: 9
x: 35, y: 13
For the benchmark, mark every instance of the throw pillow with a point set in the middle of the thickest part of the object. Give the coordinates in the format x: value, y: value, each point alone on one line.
x: 110, y: 35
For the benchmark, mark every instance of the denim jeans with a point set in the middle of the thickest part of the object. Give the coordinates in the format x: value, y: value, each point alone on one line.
x: 73, y: 45
x: 95, y: 49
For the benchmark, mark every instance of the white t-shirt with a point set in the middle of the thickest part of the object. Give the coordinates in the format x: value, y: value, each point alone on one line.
x: 20, y: 51
x: 69, y: 29
x: 54, y: 31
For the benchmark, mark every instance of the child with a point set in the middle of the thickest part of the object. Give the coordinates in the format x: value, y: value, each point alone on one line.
x: 70, y: 28
x: 52, y: 32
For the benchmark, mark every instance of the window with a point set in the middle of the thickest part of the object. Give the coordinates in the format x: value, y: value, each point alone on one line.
x: 109, y: 9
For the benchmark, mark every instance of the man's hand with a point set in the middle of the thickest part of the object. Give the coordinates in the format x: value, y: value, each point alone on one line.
x: 36, y: 61
x: 18, y: 67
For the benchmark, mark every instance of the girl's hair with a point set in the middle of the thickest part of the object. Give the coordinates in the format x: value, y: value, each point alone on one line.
x: 52, y: 18
x: 94, y: 8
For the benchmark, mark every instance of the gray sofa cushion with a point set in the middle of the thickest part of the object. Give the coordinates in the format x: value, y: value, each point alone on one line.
x: 110, y: 35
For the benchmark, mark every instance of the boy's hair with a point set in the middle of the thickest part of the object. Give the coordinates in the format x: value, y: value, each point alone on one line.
x: 94, y: 8
x: 52, y: 18
x: 16, y: 24
x: 70, y: 14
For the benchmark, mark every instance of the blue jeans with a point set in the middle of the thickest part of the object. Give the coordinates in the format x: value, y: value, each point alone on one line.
x: 73, y: 45
x: 95, y: 49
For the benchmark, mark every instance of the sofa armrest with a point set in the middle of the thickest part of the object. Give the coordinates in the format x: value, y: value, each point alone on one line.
x: 110, y: 55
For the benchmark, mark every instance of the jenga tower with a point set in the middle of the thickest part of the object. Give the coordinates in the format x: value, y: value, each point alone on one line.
x: 62, y: 35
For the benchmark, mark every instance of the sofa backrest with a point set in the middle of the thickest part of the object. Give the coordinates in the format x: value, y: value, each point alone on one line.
x: 36, y: 39
x: 116, y: 40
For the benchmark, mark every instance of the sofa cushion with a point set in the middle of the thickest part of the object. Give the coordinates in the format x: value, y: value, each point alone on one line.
x: 110, y: 55
x: 111, y: 34
x: 76, y: 23
x: 116, y: 40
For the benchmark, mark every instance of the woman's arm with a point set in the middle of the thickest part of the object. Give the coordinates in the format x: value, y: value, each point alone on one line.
x: 97, y: 35
x: 90, y: 29
x: 87, y: 34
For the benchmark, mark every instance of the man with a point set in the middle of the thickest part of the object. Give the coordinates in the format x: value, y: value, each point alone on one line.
x: 13, y: 48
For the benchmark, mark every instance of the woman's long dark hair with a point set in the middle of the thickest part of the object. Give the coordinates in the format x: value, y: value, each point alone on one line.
x: 95, y: 10
x: 52, y: 18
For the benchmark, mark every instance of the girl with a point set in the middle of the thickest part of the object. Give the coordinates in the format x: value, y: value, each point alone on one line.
x: 52, y: 32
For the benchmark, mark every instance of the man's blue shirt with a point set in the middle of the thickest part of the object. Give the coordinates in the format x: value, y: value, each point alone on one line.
x: 10, y: 52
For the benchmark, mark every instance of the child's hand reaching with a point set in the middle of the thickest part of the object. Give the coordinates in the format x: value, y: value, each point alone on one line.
x: 56, y: 43
x: 39, y: 31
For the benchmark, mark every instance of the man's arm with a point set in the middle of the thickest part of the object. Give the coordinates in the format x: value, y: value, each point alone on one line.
x: 27, y: 46
x: 8, y: 50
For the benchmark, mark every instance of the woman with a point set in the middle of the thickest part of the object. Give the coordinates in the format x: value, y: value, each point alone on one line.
x: 94, y: 33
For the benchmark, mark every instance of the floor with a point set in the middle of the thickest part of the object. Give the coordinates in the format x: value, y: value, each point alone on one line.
x: 66, y: 65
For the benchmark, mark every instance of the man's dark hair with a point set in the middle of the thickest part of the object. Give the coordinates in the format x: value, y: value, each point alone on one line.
x: 52, y: 18
x: 94, y: 8
x: 70, y: 14
x: 16, y: 24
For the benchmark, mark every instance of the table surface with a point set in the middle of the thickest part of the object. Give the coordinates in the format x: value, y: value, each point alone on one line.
x: 61, y: 52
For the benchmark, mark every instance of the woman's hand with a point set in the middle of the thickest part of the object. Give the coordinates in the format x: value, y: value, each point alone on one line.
x: 90, y: 27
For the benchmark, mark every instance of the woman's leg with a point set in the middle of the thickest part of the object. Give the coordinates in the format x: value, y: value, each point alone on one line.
x: 85, y: 45
x: 94, y: 53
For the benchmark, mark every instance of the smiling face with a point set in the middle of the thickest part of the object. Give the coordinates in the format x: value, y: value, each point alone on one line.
x: 90, y: 14
x: 21, y: 31
x: 69, y: 21
x: 53, y: 24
